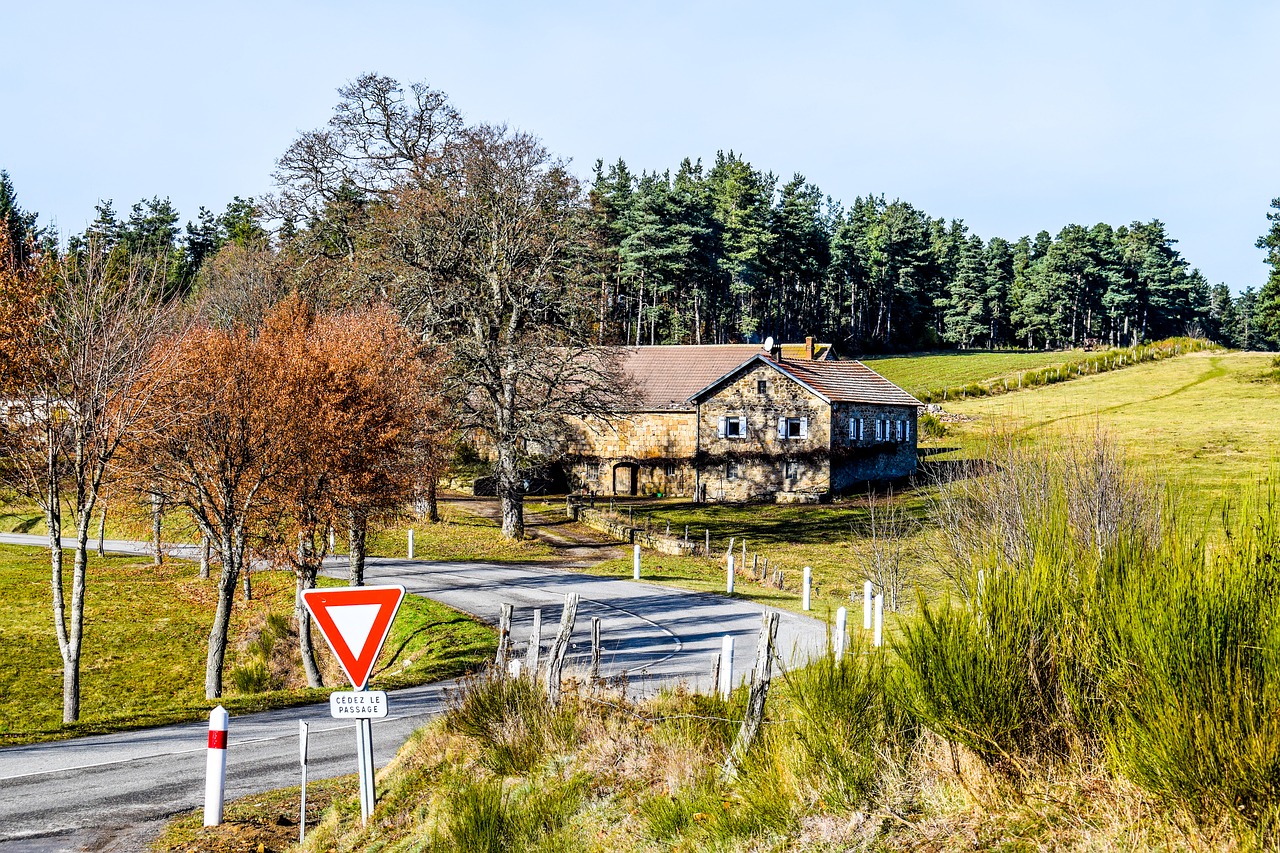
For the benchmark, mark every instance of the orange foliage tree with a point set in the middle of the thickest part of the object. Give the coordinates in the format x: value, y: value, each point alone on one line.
x: 268, y: 439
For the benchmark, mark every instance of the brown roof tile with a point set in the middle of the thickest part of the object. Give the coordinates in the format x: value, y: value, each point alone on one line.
x: 848, y: 382
x: 667, y: 376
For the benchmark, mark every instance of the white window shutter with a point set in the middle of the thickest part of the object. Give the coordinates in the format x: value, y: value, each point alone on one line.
x: 853, y: 429
x: 720, y: 431
x: 862, y: 429
x: 782, y: 427
x: 908, y: 423
x: 879, y: 429
x: 804, y: 427
x: 742, y: 426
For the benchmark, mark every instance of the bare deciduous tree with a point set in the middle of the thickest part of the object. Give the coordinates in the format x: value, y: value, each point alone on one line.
x: 84, y: 391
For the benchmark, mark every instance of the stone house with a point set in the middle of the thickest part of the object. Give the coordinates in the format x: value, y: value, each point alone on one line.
x: 736, y: 422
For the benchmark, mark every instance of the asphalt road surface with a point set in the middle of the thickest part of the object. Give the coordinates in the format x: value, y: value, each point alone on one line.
x: 100, y: 792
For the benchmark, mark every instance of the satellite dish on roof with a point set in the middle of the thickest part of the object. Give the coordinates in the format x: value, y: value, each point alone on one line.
x: 768, y: 344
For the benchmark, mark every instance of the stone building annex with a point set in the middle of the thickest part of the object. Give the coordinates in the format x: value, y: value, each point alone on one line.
x: 736, y: 422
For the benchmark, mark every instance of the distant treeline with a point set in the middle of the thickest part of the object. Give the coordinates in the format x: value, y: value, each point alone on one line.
x: 726, y: 254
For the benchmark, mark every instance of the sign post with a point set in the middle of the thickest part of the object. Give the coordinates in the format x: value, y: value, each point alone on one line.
x: 302, y: 758
x: 355, y: 622
x: 215, y: 770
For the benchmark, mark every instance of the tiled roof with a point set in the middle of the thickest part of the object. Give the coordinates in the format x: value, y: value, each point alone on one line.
x: 821, y: 352
x: 848, y: 382
x: 667, y: 376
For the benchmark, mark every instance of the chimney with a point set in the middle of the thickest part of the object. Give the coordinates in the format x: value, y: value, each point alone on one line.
x: 808, y: 348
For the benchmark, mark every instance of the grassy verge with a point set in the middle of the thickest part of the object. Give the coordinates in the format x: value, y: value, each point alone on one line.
x: 128, y: 682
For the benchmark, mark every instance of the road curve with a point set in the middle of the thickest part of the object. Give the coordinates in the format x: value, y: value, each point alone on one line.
x: 74, y: 794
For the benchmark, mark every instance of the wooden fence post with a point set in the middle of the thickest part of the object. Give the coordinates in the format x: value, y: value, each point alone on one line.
x: 555, y: 663
x: 504, y: 638
x: 595, y: 648
x: 754, y: 718
x: 535, y: 645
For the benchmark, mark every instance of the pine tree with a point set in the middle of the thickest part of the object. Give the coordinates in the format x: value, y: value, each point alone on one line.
x: 1267, y: 312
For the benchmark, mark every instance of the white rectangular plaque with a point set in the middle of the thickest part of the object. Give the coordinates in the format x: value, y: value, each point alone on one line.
x: 358, y: 704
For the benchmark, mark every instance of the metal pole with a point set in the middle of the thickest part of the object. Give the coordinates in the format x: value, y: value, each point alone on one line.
x: 302, y: 757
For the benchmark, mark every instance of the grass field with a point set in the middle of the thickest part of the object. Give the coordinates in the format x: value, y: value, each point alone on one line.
x: 1207, y: 421
x: 127, y: 683
x: 931, y: 372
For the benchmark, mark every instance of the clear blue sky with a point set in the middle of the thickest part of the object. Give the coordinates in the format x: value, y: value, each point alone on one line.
x: 1014, y: 116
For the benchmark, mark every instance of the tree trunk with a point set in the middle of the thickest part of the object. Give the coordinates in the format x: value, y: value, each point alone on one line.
x: 357, y: 530
x: 306, y: 580
x: 433, y: 502
x: 102, y: 531
x: 71, y: 654
x: 204, y: 557
x: 513, y: 513
x: 232, y: 557
x: 157, y: 515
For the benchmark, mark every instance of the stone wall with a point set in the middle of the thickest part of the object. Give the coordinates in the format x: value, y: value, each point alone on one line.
x: 618, y: 529
x: 641, y: 453
x: 760, y: 464
x: 858, y: 457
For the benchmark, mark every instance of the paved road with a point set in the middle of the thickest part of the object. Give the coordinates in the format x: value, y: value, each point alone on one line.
x: 82, y: 793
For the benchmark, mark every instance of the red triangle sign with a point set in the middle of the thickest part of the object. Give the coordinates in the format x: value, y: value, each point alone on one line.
x: 355, y: 620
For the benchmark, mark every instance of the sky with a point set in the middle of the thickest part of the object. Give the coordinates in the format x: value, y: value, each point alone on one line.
x: 1013, y: 116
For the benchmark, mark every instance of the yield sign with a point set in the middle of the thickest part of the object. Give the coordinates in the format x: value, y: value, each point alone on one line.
x: 355, y: 621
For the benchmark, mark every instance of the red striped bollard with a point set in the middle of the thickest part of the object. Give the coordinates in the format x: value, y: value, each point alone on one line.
x: 215, y: 773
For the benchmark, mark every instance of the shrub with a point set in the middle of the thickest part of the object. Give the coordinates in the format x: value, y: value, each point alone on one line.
x: 251, y: 677
x: 511, y: 721
x: 932, y: 426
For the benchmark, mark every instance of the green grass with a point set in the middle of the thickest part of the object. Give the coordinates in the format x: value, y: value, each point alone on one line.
x: 128, y: 684
x: 1208, y: 421
x: 927, y: 373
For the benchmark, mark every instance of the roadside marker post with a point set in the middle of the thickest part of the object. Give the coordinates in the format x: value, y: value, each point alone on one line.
x: 879, y: 628
x: 302, y: 758
x: 866, y: 606
x: 725, y: 687
x: 410, y: 543
x: 729, y: 580
x: 215, y: 770
x: 842, y: 617
x: 808, y: 581
x: 355, y: 622
x: 635, y: 564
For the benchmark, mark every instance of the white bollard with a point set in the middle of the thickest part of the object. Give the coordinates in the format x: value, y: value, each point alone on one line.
x: 215, y: 769
x: 808, y: 580
x: 879, y: 630
x: 725, y: 687
x: 842, y: 617
x: 866, y: 606
x: 332, y: 542
x: 410, y: 543
x: 635, y: 564
x: 729, y: 580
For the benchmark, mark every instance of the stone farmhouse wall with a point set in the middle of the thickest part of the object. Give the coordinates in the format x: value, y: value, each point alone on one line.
x: 642, y: 453
x: 762, y: 462
x: 871, y: 443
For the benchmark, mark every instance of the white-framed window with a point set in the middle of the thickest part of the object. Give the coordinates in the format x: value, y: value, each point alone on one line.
x: 857, y: 429
x: 791, y: 470
x: 762, y: 386
x: 732, y: 426
x: 880, y: 429
x: 670, y: 469
x: 793, y: 428
x: 591, y: 471
x: 906, y: 425
x: 731, y: 470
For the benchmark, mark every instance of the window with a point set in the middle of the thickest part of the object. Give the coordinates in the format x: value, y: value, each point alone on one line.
x: 591, y: 471
x: 731, y: 471
x: 671, y: 469
x: 857, y: 429
x: 793, y: 428
x: 791, y: 470
x: 762, y: 386
x: 733, y: 426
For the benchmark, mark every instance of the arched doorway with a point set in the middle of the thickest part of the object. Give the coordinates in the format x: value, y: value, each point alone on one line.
x: 625, y: 477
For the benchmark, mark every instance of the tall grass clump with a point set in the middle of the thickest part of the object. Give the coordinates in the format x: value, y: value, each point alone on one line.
x: 998, y: 666
x: 1189, y: 669
x: 1089, y: 622
x: 511, y: 721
